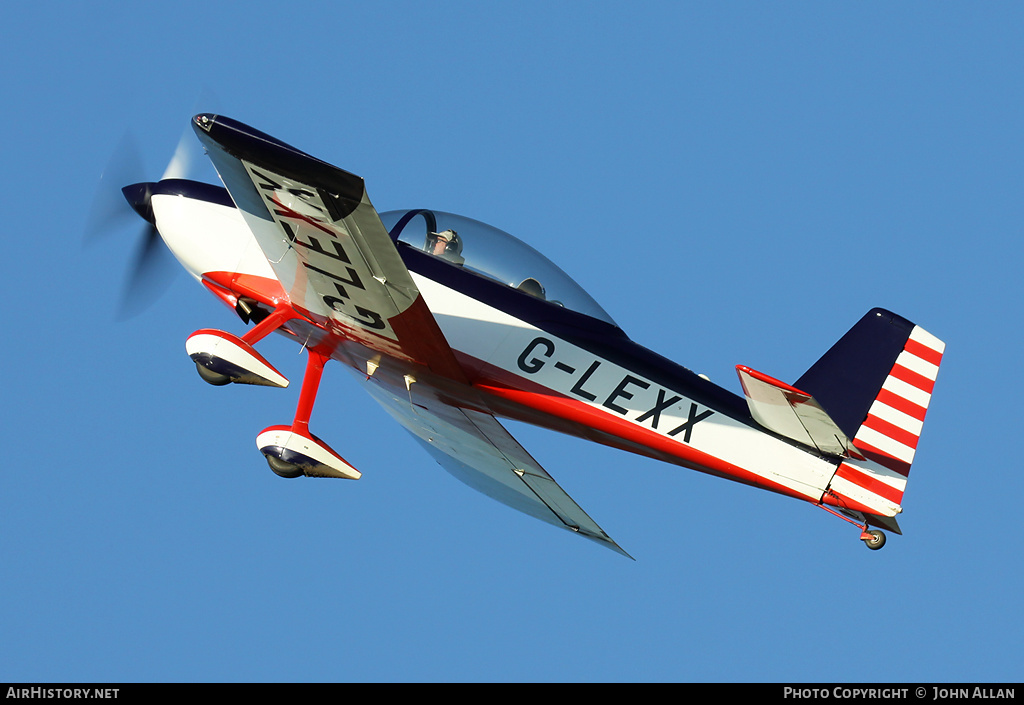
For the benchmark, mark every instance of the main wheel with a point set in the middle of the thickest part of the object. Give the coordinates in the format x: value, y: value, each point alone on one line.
x: 876, y: 541
x: 283, y: 468
x: 211, y: 377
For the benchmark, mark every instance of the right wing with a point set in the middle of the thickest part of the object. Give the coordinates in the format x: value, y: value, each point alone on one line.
x: 326, y: 244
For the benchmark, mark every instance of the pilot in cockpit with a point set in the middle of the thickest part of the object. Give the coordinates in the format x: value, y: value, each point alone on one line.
x: 447, y: 245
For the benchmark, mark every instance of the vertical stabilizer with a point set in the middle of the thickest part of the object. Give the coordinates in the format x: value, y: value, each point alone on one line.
x: 876, y: 383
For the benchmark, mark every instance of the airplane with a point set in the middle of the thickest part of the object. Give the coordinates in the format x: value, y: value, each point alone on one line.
x: 450, y: 323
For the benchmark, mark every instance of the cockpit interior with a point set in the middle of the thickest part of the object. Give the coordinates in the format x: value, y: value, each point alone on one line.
x: 488, y: 251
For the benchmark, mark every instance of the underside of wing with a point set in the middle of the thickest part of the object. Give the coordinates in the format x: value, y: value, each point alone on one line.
x: 475, y: 448
x: 326, y: 244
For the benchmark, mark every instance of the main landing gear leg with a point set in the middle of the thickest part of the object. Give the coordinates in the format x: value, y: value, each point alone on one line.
x: 292, y: 451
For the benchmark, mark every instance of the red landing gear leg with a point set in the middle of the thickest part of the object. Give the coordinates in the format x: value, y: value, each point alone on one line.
x: 310, y: 386
x: 292, y: 451
x: 872, y: 538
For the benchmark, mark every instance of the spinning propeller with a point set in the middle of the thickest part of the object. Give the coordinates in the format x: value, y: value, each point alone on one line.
x: 121, y: 191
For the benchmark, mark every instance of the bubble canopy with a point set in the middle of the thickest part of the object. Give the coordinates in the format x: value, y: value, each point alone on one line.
x: 486, y: 250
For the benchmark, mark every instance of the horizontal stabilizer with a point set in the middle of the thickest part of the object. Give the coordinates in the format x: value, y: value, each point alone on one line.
x: 791, y: 413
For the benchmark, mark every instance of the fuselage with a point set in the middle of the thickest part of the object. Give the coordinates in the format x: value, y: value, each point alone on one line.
x: 525, y: 357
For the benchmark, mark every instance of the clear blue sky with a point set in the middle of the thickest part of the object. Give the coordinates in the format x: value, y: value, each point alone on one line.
x: 734, y: 182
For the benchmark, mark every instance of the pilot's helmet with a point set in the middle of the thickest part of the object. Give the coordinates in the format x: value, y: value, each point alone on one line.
x: 446, y: 244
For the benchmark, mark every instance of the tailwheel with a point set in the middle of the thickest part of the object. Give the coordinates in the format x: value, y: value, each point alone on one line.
x: 873, y: 539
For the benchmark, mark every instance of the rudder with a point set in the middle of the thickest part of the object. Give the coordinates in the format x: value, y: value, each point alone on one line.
x: 876, y: 384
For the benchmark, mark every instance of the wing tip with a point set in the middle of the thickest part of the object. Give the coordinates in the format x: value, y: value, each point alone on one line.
x: 603, y: 539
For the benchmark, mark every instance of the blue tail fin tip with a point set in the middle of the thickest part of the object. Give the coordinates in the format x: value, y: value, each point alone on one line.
x: 846, y: 379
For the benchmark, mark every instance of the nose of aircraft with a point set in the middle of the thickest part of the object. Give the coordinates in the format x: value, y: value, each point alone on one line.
x: 139, y: 197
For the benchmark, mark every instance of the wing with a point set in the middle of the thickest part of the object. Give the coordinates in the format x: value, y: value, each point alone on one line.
x: 339, y: 267
x: 326, y: 244
x: 475, y: 448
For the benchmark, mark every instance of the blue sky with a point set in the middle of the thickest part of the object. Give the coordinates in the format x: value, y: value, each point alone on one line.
x: 736, y: 183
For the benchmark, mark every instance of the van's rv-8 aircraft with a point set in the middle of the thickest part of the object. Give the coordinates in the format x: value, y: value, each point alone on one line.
x: 449, y: 323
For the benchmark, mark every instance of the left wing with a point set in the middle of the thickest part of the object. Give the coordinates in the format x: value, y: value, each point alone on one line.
x: 475, y: 448
x: 326, y: 244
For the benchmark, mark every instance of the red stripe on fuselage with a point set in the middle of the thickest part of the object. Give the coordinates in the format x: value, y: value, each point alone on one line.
x: 262, y: 289
x: 843, y: 502
x: 614, y: 430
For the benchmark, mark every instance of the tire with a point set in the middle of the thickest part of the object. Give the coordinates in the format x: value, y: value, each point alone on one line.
x: 211, y: 377
x: 876, y: 541
x: 282, y: 468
